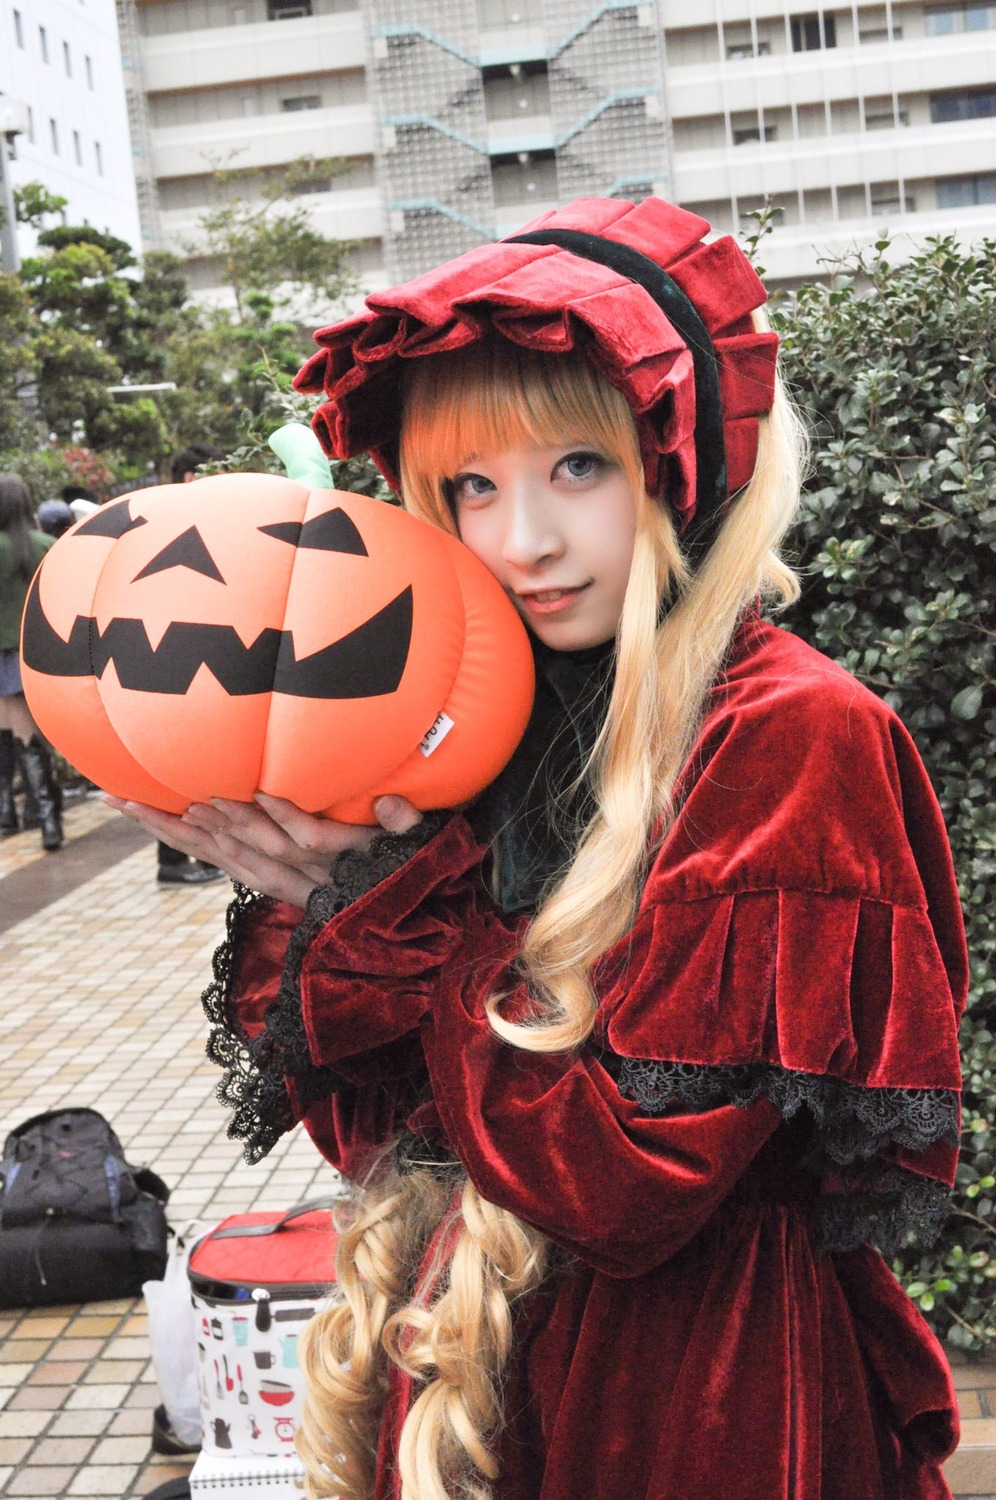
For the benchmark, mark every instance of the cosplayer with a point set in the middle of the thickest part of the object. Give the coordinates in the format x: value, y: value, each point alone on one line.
x: 641, y: 1060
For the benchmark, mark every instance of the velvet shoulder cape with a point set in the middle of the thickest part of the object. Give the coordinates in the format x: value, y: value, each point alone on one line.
x: 802, y: 911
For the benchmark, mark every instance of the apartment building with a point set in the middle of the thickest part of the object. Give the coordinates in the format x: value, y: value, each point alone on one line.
x: 62, y: 100
x: 456, y: 120
x: 248, y: 88
x: 848, y: 119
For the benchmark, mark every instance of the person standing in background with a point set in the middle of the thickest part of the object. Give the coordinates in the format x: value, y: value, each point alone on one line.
x: 54, y: 517
x: 22, y: 548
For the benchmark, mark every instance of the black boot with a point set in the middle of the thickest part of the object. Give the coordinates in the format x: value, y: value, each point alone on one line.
x: 8, y: 811
x: 36, y: 772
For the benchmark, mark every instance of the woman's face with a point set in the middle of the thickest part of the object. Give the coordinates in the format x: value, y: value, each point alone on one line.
x: 556, y: 527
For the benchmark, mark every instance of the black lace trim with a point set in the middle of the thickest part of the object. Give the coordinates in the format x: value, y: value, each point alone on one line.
x: 226, y: 1044
x: 891, y: 1207
x: 881, y: 1204
x: 256, y: 1068
x: 854, y: 1122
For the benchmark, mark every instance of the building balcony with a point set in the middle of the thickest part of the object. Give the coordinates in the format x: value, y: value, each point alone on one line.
x: 224, y: 55
x: 755, y: 170
x: 918, y: 66
x: 511, y: 44
x: 262, y: 140
x: 520, y: 133
x: 800, y: 251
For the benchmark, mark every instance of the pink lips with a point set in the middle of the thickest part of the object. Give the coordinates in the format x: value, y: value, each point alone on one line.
x: 541, y: 603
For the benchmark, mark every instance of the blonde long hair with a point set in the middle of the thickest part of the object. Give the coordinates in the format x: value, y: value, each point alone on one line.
x: 450, y: 1327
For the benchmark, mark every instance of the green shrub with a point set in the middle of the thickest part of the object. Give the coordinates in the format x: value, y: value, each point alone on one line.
x: 895, y: 367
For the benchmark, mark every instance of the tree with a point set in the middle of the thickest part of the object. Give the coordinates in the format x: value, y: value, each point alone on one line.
x: 87, y: 339
x: 18, y: 363
x: 84, y: 316
x: 267, y: 245
x: 34, y: 203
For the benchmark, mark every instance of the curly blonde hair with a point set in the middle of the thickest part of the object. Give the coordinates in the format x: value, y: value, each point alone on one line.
x: 429, y: 1270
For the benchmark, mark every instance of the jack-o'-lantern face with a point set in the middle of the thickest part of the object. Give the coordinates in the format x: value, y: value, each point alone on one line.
x: 242, y: 633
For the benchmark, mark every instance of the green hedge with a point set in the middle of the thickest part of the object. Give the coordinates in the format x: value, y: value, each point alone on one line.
x: 895, y: 367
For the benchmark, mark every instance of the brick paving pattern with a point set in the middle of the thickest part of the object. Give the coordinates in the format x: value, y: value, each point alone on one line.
x: 101, y: 999
x: 101, y: 1006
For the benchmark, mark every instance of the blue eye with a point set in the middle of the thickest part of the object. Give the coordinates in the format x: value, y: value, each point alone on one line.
x: 581, y: 465
x: 468, y: 487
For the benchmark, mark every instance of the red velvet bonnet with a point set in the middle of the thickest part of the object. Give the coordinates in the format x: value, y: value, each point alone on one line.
x: 547, y: 298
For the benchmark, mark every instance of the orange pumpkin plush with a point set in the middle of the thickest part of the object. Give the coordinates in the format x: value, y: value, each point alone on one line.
x: 245, y: 632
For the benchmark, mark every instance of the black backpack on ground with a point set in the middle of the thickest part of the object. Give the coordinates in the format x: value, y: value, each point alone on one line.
x: 77, y: 1223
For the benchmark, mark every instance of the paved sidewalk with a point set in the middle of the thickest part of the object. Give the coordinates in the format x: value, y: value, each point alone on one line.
x: 100, y: 978
x: 101, y: 1007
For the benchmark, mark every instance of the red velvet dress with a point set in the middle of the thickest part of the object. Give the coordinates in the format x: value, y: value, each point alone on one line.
x: 771, y: 1088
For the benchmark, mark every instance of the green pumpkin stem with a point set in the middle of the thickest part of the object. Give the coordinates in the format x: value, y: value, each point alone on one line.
x: 301, y: 455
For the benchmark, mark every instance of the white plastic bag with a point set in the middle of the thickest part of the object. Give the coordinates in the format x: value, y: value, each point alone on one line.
x: 173, y: 1337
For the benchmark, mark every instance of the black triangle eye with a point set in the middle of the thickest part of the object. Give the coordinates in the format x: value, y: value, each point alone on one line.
x: 111, y: 520
x: 332, y: 531
x: 185, y: 551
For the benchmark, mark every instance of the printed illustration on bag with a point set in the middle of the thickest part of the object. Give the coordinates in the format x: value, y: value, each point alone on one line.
x: 255, y: 1282
x: 250, y: 1380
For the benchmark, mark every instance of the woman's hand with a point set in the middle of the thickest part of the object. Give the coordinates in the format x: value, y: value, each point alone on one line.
x: 269, y: 844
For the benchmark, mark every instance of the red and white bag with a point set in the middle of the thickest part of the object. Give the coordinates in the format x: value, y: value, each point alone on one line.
x: 255, y: 1281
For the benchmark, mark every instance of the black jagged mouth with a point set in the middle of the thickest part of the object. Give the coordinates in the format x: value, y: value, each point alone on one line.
x: 368, y: 662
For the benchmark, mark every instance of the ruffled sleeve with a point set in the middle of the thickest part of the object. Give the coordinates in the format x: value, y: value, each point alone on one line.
x: 270, y: 1081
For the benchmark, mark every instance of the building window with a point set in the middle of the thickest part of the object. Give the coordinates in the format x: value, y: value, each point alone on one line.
x: 980, y: 104
x: 885, y: 119
x: 287, y: 10
x: 810, y: 33
x: 43, y: 43
x: 67, y: 60
x: 738, y: 51
x: 88, y: 63
x: 946, y: 20
x: 966, y: 192
x: 887, y: 199
x: 880, y: 34
x: 753, y: 133
x: 100, y: 158
x: 77, y: 148
x: 301, y: 101
x: 311, y: 184
x: 18, y: 29
x: 53, y: 131
x: 31, y: 125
